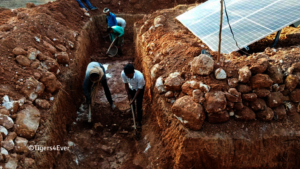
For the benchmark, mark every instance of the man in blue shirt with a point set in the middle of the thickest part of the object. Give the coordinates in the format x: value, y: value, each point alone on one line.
x: 111, y: 20
x: 88, y: 4
x: 94, y: 75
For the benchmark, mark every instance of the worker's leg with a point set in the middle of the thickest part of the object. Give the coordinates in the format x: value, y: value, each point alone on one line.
x: 139, y: 102
x: 89, y: 4
x: 107, y: 91
x: 120, y: 41
x: 81, y: 5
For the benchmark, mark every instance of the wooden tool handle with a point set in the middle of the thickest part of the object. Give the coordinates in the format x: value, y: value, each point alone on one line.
x: 111, y: 45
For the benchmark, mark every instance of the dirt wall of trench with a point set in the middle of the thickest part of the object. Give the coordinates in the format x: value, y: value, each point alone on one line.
x: 68, y: 100
x: 235, y: 144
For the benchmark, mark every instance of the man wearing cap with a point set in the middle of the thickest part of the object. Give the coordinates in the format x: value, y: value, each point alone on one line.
x: 94, y: 75
x: 110, y: 18
x: 121, y: 22
x: 88, y: 4
x: 117, y: 32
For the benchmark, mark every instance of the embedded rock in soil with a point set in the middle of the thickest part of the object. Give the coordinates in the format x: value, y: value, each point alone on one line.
x: 174, y: 82
x: 245, y: 114
x: 8, y: 145
x: 19, y: 51
x: 62, y: 58
x: 233, y: 95
x: 50, y: 82
x: 189, y: 86
x: 23, y: 61
x: 3, y: 131
x: 291, y: 82
x: 28, y: 122
x: 215, y: 102
x: 233, y: 82
x: 41, y: 103
x: 61, y: 48
x: 11, y: 136
x: 189, y: 113
x: 159, y: 20
x: 265, y: 115
x: 258, y: 104
x: 203, y: 87
x: 198, y: 96
x: 156, y: 71
x: 32, y: 53
x: 6, y: 28
x: 295, y: 95
x: 261, y: 66
x: 169, y: 94
x: 160, y: 85
x: 262, y: 92
x: 35, y: 64
x: 219, y: 117
x: 10, y: 105
x: 6, y: 121
x: 4, y: 151
x: 51, y: 65
x: 275, y: 73
x: 36, y: 75
x: 11, y: 164
x: 291, y: 108
x: 220, y: 74
x: 32, y: 88
x: 21, y: 145
x: 4, y: 112
x: 251, y: 97
x: 41, y: 57
x: 244, y: 74
x: 275, y: 99
x: 261, y: 81
x: 202, y: 65
x: 49, y: 47
x: 238, y: 106
x: 244, y: 88
x: 279, y: 112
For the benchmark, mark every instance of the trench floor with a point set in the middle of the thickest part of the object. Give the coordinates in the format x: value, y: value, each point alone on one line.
x: 109, y: 141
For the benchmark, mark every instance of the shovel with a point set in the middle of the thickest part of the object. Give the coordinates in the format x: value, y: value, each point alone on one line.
x: 111, y: 45
x: 136, y: 133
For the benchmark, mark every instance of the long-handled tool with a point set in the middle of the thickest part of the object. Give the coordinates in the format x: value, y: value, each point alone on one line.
x: 136, y: 133
x: 90, y: 114
x: 111, y: 45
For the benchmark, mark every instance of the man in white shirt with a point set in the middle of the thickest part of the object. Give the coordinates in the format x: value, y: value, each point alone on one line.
x: 121, y: 22
x: 135, y: 86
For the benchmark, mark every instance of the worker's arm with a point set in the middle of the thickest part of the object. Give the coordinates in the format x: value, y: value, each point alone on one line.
x: 136, y: 94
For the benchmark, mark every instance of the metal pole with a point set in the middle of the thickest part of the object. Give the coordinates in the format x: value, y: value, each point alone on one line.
x: 220, y: 33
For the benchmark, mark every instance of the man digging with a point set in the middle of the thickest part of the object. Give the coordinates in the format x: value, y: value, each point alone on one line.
x: 117, y: 32
x: 135, y: 86
x: 94, y: 75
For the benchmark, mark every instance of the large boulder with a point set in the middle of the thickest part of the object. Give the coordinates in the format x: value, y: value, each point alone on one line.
x: 245, y: 114
x: 291, y: 82
x: 23, y: 61
x: 233, y: 82
x: 251, y: 97
x: 28, y: 122
x: 262, y: 92
x: 50, y: 82
x: 174, y: 81
x: 189, y: 113
x: 51, y: 65
x: 62, y: 58
x: 233, y: 95
x: 202, y: 65
x: 279, y: 112
x: 10, y: 105
x: 160, y: 85
x: 244, y: 88
x: 261, y: 66
x: 198, y: 96
x: 258, y: 105
x: 189, y: 86
x: 244, y: 74
x: 6, y: 121
x: 21, y: 145
x: 49, y: 47
x: 275, y: 73
x: 42, y: 103
x: 219, y: 117
x: 220, y: 74
x: 32, y: 88
x: 215, y: 102
x: 32, y: 53
x: 275, y: 99
x: 295, y: 95
x: 261, y: 81
x: 265, y: 115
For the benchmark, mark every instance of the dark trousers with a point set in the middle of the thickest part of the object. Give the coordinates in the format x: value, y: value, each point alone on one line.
x: 82, y: 5
x: 106, y: 90
x: 139, y: 102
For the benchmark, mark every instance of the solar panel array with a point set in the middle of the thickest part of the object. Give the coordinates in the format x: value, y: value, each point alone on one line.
x: 251, y: 20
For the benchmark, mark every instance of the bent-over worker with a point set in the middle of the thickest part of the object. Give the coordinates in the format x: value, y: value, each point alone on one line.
x: 135, y: 86
x: 117, y: 32
x: 121, y: 22
x: 94, y: 75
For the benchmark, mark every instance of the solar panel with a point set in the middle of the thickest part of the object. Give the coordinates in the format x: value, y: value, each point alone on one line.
x: 251, y: 20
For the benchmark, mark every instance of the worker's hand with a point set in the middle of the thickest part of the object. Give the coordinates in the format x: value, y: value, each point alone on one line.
x: 131, y: 102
